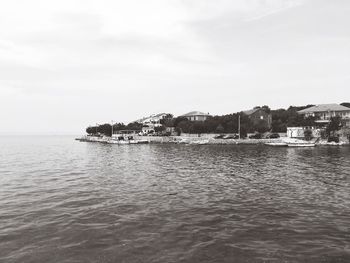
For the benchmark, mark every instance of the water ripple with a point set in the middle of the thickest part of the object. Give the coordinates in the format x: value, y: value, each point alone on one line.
x: 64, y: 201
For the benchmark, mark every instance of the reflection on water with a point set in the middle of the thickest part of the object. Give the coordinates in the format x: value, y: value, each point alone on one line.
x: 65, y: 201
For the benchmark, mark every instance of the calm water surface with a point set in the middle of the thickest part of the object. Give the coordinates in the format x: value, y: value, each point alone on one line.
x: 66, y: 201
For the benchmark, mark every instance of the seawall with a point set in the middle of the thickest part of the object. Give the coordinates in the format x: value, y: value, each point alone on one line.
x: 187, y: 139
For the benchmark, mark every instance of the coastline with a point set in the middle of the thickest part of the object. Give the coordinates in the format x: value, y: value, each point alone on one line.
x: 205, y: 140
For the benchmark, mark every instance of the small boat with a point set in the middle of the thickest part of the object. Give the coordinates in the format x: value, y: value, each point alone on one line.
x: 335, y: 143
x: 182, y: 141
x: 277, y: 144
x: 201, y: 142
x: 121, y: 140
x: 292, y: 142
x: 138, y: 142
x: 301, y: 144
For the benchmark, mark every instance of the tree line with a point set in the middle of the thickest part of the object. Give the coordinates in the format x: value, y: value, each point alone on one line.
x: 106, y: 129
x: 281, y: 119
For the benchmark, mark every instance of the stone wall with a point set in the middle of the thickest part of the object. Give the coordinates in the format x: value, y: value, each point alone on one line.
x: 192, y: 139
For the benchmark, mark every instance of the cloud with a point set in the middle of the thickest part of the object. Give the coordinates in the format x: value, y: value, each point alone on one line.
x: 146, y: 56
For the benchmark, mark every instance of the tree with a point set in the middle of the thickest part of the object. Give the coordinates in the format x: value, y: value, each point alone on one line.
x: 231, y: 126
x: 346, y: 133
x: 220, y: 129
x: 91, y: 130
x: 333, y: 126
x: 212, y: 122
x: 266, y: 109
x: 278, y: 126
x: 178, y: 131
x: 185, y: 126
x: 178, y: 120
x: 134, y: 126
x: 119, y: 127
x: 345, y: 104
x: 105, y: 129
x: 159, y: 129
x: 261, y: 126
x: 199, y: 127
x: 308, y: 134
x: 168, y: 120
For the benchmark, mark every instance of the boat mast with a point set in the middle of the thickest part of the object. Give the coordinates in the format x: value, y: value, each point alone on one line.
x: 239, y: 126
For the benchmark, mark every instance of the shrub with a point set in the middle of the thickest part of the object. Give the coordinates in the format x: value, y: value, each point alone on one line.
x: 308, y: 134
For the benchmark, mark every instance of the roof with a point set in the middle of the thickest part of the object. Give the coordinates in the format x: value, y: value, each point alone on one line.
x: 195, y: 113
x: 250, y: 112
x: 153, y: 116
x: 324, y: 108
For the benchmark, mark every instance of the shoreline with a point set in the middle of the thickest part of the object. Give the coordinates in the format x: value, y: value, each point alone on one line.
x: 203, y: 140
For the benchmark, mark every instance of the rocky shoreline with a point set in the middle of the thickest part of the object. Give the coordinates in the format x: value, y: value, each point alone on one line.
x: 212, y: 141
x: 208, y: 141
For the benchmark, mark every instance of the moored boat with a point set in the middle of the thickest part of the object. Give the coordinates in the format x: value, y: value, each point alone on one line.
x: 277, y: 144
x: 121, y: 140
x: 301, y: 144
x: 199, y: 142
x: 292, y: 142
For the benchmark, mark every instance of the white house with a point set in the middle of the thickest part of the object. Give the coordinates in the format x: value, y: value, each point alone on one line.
x: 149, y: 123
x: 196, y: 116
x: 324, y: 112
x: 299, y: 132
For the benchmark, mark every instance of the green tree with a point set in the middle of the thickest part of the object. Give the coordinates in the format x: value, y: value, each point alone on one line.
x: 220, y: 129
x: 199, y: 127
x: 105, y: 129
x: 159, y: 129
x: 185, y: 126
x: 134, y: 126
x: 345, y: 104
x: 333, y: 126
x: 178, y: 131
x: 278, y: 126
x: 119, y: 127
x: 91, y: 130
x: 178, y: 120
x: 168, y: 120
x: 308, y: 134
x: 261, y: 126
x: 266, y: 109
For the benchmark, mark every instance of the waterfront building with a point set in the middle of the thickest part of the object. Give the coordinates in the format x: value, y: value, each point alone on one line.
x: 153, y: 119
x: 258, y: 115
x: 151, y: 122
x: 299, y: 132
x: 324, y: 113
x: 196, y: 116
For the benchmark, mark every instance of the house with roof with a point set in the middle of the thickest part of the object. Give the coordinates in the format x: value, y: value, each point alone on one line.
x: 151, y: 122
x: 258, y: 115
x: 196, y: 116
x: 299, y: 132
x: 153, y: 119
x: 324, y: 113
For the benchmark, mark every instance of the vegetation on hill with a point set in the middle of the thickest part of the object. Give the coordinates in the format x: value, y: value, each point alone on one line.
x: 106, y: 128
x: 281, y: 119
x: 345, y: 104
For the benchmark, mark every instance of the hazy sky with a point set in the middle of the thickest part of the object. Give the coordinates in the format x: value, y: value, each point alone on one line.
x: 67, y: 64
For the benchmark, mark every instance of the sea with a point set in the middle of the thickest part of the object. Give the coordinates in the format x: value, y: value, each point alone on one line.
x: 67, y: 201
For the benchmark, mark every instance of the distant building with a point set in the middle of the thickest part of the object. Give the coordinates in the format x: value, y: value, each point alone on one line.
x: 259, y: 114
x: 324, y: 113
x: 151, y: 122
x: 196, y: 116
x: 299, y: 132
x: 153, y: 119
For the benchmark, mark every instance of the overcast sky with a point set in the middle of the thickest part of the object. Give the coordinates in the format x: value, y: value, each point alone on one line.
x: 67, y: 64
